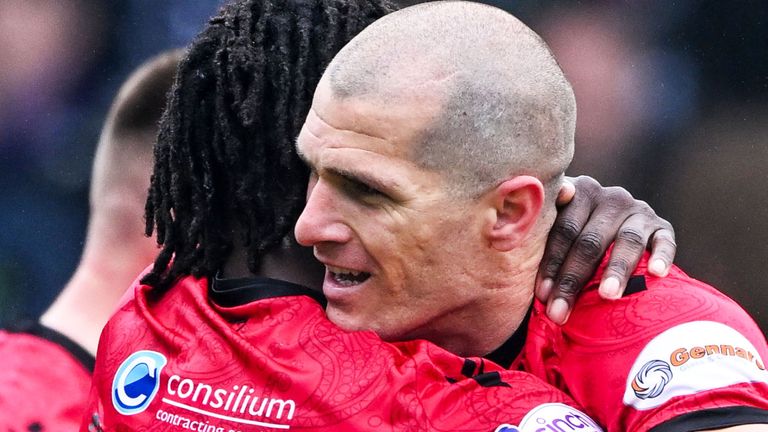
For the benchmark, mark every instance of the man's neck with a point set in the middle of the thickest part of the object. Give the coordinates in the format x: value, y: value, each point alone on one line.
x: 293, y: 264
x: 480, y: 333
x: 482, y: 327
x: 88, y: 300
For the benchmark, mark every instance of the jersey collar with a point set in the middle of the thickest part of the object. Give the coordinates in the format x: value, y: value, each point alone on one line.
x: 240, y: 291
x: 511, y: 348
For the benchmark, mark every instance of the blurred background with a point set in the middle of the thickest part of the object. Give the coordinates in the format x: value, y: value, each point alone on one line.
x: 672, y: 99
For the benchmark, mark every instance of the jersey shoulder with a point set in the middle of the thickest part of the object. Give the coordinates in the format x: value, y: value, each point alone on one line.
x: 671, y: 348
x: 510, y: 401
x: 37, y: 371
x: 652, y: 305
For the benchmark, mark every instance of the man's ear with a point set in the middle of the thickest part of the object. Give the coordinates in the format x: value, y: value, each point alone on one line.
x: 517, y: 204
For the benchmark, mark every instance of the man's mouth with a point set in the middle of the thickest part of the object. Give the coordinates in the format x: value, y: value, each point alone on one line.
x: 347, y: 277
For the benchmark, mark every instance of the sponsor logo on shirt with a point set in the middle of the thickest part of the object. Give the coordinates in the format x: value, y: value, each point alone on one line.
x: 690, y: 358
x: 553, y: 417
x: 239, y: 399
x: 137, y: 381
x: 651, y: 380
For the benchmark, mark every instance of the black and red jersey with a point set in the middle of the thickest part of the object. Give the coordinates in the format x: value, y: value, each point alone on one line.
x: 673, y: 354
x: 260, y: 355
x: 44, y: 381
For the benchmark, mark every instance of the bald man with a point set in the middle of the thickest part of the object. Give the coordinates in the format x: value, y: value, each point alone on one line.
x: 460, y: 106
x: 47, y: 373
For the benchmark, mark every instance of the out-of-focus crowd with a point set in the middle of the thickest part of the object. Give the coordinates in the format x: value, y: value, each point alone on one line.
x: 672, y: 104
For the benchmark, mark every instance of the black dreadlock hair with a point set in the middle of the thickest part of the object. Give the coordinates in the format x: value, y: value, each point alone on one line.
x: 226, y: 170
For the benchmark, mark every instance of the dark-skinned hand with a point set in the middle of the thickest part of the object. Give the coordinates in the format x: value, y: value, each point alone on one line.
x: 590, y: 218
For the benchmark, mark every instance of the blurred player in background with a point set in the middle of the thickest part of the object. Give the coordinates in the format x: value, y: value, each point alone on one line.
x: 48, y: 365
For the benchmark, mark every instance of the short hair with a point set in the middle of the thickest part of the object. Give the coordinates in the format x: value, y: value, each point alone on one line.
x: 141, y: 100
x: 226, y: 172
x: 506, y: 108
x: 124, y: 153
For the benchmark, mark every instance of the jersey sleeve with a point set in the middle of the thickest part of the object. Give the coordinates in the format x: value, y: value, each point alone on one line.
x: 45, y: 379
x: 672, y: 355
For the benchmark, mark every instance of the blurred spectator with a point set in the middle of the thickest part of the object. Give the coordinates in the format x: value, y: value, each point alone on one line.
x: 115, y: 251
x: 630, y: 92
x: 713, y: 182
x: 46, y: 47
x: 644, y: 78
x: 716, y: 191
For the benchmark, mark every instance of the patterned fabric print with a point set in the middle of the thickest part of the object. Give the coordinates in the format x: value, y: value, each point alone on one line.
x: 184, y: 363
x: 596, y: 357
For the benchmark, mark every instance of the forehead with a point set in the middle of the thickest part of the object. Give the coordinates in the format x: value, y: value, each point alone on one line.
x: 388, y: 126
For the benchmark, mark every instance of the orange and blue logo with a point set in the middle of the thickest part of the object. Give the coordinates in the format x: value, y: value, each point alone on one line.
x: 650, y: 381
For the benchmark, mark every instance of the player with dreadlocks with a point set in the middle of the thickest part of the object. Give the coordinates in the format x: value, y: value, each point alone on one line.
x: 226, y: 172
x: 221, y: 333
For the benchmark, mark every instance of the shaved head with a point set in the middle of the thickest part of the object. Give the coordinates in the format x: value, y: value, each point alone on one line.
x: 502, y: 106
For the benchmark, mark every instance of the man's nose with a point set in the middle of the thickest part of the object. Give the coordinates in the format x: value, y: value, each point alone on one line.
x: 321, y: 221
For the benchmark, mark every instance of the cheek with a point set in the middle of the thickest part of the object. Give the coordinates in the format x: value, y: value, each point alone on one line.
x: 451, y: 246
x: 414, y: 251
x: 398, y: 244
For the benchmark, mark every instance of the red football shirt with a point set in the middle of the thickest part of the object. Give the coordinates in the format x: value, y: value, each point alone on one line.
x: 44, y: 381
x: 673, y: 354
x: 260, y: 354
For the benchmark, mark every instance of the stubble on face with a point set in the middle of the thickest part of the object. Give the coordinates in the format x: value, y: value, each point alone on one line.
x: 419, y: 245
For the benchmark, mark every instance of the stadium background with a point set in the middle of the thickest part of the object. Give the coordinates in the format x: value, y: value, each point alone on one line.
x: 672, y: 97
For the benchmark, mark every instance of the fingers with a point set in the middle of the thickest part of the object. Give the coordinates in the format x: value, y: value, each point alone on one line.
x: 635, y: 235
x: 554, y: 285
x: 580, y: 264
x: 564, y: 232
x: 663, y: 250
x: 567, y: 226
x: 595, y: 218
x: 628, y: 249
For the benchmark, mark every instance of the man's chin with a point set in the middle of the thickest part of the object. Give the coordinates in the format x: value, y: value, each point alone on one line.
x: 343, y: 319
x: 354, y: 322
x: 350, y: 322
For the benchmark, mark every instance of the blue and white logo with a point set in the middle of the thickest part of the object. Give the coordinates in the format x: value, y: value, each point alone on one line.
x: 137, y: 381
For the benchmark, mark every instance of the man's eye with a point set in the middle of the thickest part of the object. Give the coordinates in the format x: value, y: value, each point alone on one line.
x: 363, y: 190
